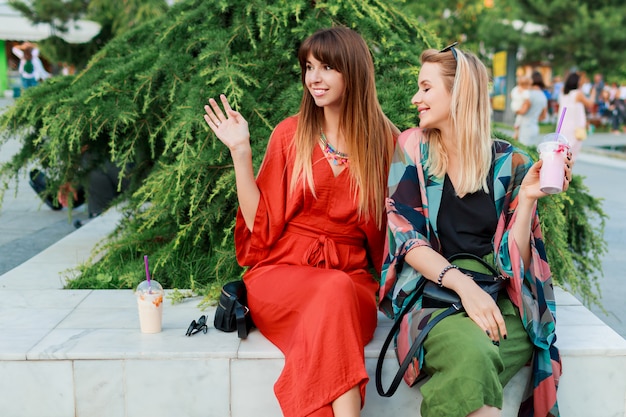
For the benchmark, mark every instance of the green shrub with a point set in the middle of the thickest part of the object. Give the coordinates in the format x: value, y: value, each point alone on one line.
x: 141, y: 99
x: 572, y: 224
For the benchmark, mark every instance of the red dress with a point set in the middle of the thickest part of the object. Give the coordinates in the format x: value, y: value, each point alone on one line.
x: 310, y: 291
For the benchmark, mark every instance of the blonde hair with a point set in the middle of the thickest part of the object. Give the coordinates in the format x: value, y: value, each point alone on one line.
x: 466, y: 78
x: 367, y: 131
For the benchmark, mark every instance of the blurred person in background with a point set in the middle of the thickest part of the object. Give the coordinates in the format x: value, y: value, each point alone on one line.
x: 519, y: 94
x: 31, y: 68
x: 576, y: 105
x: 534, y: 109
x: 596, y: 90
x: 557, y: 90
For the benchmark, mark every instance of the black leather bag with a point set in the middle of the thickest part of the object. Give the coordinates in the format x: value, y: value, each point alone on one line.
x: 232, y: 311
x: 434, y: 296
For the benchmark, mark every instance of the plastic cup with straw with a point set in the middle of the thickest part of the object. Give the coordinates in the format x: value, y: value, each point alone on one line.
x: 150, y: 302
x: 553, y: 151
x: 145, y: 261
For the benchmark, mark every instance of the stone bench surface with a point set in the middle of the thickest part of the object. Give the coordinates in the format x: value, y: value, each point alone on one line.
x: 82, y: 352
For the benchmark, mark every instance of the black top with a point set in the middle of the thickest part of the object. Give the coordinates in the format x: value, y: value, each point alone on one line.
x: 468, y: 224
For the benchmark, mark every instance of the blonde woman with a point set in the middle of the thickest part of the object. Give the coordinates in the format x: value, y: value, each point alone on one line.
x: 454, y: 189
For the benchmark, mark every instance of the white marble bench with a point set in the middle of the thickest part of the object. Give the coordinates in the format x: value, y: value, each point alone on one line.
x: 80, y: 353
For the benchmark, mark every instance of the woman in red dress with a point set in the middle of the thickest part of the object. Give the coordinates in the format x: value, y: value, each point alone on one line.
x: 310, y: 227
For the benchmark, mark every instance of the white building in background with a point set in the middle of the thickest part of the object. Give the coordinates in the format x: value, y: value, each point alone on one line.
x: 14, y: 28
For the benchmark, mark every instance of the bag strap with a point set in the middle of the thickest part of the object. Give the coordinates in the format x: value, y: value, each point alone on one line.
x: 454, y: 308
x: 385, y: 348
x: 409, y: 357
x: 240, y: 316
x: 471, y: 256
x: 396, y: 325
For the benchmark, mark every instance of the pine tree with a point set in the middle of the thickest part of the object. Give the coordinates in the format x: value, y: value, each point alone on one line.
x: 141, y: 99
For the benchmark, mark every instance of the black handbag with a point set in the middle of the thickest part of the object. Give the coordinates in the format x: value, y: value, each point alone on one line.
x: 232, y: 311
x: 434, y: 296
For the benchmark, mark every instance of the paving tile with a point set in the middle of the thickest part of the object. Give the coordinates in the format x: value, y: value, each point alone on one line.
x: 192, y: 388
x: 254, y: 381
x: 590, y: 340
x: 100, y: 389
x: 130, y: 343
x: 593, y: 386
x: 36, y: 389
x: 42, y: 298
x: 15, y: 342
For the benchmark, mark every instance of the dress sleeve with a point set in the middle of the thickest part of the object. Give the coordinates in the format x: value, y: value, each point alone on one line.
x: 375, y: 245
x: 407, y: 222
x: 273, y: 181
x: 530, y: 287
x: 531, y: 290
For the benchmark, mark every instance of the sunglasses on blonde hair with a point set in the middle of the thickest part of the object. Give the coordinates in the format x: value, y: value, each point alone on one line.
x: 450, y: 48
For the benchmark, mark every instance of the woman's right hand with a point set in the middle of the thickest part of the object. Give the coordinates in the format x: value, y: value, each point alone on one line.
x: 229, y: 125
x: 482, y: 309
x: 232, y: 129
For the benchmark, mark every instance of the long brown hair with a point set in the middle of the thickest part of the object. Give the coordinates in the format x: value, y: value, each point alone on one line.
x: 465, y: 76
x: 367, y: 131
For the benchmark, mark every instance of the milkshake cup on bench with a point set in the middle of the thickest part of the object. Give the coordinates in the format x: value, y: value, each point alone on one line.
x: 150, y: 303
x: 553, y: 152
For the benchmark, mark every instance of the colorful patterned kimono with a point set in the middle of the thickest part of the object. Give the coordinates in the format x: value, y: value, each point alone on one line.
x: 412, y: 208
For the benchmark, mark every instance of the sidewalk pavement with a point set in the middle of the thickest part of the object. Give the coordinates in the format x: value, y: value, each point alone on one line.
x: 28, y: 226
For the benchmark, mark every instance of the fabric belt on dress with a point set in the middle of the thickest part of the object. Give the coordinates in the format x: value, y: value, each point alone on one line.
x: 323, y: 249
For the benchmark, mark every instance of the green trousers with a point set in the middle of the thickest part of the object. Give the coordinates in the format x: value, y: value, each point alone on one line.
x: 467, y: 370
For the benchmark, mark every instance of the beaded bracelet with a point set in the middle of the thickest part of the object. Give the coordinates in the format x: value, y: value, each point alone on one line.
x: 443, y: 272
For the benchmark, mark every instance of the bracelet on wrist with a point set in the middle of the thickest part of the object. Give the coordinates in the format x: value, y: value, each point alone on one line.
x: 443, y: 272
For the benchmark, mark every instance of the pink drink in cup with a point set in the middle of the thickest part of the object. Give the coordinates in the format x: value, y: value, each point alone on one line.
x: 150, y: 303
x: 553, y: 151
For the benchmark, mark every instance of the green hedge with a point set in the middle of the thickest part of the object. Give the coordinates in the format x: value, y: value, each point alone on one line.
x: 141, y: 100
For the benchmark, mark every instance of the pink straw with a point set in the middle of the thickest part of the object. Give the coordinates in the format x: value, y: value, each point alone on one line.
x: 558, y: 128
x: 145, y: 261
